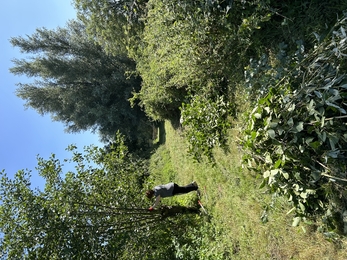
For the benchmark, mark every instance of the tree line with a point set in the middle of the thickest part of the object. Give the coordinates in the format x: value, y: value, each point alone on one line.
x: 125, y: 64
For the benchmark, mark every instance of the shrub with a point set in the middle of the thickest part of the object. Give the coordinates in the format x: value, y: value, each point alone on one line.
x: 296, y: 137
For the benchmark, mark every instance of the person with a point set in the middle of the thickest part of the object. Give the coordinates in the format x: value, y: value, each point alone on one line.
x: 169, y: 190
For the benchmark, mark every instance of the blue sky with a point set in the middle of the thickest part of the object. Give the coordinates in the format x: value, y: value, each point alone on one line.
x: 24, y: 134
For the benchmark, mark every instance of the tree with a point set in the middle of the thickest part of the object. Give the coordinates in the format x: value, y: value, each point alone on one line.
x: 79, y: 83
x: 95, y: 212
x: 110, y: 20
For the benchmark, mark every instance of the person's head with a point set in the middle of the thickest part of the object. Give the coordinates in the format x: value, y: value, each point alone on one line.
x: 149, y: 193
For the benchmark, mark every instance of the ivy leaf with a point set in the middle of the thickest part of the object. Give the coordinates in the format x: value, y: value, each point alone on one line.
x: 268, y: 159
x: 274, y: 172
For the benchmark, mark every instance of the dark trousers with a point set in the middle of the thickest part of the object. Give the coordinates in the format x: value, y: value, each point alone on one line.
x: 183, y: 189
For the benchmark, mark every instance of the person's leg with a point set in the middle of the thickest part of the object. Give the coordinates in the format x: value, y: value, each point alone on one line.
x: 184, y: 189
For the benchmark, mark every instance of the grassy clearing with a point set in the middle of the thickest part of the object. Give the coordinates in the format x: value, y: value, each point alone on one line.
x: 236, y: 204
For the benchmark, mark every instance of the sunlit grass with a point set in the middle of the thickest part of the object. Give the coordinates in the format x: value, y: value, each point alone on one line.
x: 232, y: 197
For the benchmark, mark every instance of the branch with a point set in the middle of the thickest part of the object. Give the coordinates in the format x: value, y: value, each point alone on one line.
x: 333, y: 177
x: 330, y: 118
x: 112, y: 208
x: 327, y: 175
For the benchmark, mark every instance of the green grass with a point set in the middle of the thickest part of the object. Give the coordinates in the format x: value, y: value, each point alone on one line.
x: 232, y: 197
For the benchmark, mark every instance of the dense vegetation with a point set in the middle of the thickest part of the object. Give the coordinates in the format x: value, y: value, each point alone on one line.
x: 80, y: 84
x: 297, y: 131
x: 269, y: 74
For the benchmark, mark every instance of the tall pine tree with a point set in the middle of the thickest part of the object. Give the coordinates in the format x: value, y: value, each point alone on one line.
x: 80, y: 84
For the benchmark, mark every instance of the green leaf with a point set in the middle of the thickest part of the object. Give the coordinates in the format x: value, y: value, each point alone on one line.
x: 322, y: 136
x: 333, y: 140
x: 308, y: 140
x: 290, y: 122
x: 268, y: 159
x: 336, y: 106
x: 274, y: 172
x: 273, y: 123
x: 300, y: 126
x: 316, y: 175
x: 318, y: 94
x: 271, y: 133
x: 285, y: 175
x: 291, y: 108
x: 257, y: 115
x: 333, y: 154
x: 315, y: 145
x: 262, y: 184
x: 277, y: 163
x: 303, y: 195
x: 280, y: 130
x: 266, y: 174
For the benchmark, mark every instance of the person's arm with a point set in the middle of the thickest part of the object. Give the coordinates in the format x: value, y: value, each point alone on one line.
x: 157, y: 200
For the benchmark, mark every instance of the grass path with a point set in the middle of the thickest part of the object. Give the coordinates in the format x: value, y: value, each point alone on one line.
x: 236, y: 204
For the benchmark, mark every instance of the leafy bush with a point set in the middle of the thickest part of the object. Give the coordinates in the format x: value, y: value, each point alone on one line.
x: 206, y: 125
x: 296, y: 136
x: 191, y: 52
x: 188, y: 44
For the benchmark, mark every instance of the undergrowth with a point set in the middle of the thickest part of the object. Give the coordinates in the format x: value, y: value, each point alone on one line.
x: 245, y: 221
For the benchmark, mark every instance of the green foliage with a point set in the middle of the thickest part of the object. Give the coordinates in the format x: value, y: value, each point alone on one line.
x: 94, y: 212
x: 79, y: 83
x: 296, y: 136
x: 190, y: 47
x: 206, y: 125
x: 198, y: 235
x: 161, y: 168
x: 116, y: 25
x: 231, y: 195
x: 97, y: 211
x: 191, y: 53
x: 296, y: 20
